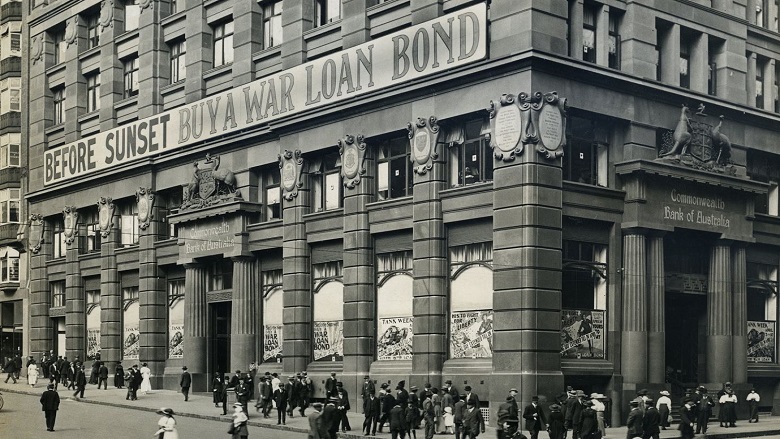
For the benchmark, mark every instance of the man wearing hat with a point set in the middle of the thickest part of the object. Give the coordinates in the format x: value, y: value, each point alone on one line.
x: 289, y: 388
x: 305, y: 393
x: 686, y: 419
x: 702, y: 409
x: 534, y: 417
x: 330, y: 386
x: 184, y: 382
x: 576, y: 413
x: 471, y: 396
x: 315, y: 424
x: 367, y: 389
x: 634, y: 422
x: 343, y: 406
x: 651, y: 422
x: 506, y: 424
x: 567, y: 407
x: 280, y: 398
x: 50, y: 403
x: 457, y: 414
x: 387, y: 400
x: 473, y: 422
x: 372, y: 410
x: 451, y: 390
x: 555, y: 423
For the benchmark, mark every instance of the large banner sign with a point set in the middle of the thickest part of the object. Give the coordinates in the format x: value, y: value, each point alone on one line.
x: 93, y: 343
x: 131, y: 343
x: 438, y: 45
x: 582, y: 333
x: 176, y: 341
x: 472, y: 334
x: 395, y: 343
x: 272, y: 343
x: 328, y: 341
x: 761, y: 342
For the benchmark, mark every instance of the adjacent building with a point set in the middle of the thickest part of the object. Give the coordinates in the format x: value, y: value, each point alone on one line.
x: 533, y: 194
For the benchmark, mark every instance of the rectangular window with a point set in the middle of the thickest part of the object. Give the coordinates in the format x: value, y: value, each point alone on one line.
x: 93, y: 30
x: 394, y: 171
x: 223, y: 43
x: 130, y: 77
x: 685, y: 59
x: 59, y: 46
x: 59, y: 105
x: 587, y: 160
x: 326, y: 11
x: 614, y: 41
x: 273, y: 194
x: 9, y: 265
x: 132, y: 15
x: 9, y: 152
x: 174, y: 6
x: 57, y: 290
x: 93, y: 92
x: 221, y: 275
x: 129, y: 229
x: 589, y: 34
x: 584, y: 276
x: 178, y: 64
x: 272, y: 24
x: 16, y: 44
x: 9, y: 206
x: 58, y: 244
x: 471, y: 155
x: 327, y: 182
x: 93, y: 237
x: 759, y: 86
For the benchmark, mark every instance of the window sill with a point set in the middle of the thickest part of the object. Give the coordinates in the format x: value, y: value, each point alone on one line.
x: 126, y: 102
x: 382, y: 8
x: 89, y: 52
x: 324, y: 214
x: 55, y: 129
x: 217, y: 71
x: 56, y: 68
x: 382, y: 204
x: 179, y: 15
x: 333, y: 26
x: 9, y: 285
x: 172, y: 88
x: 88, y: 117
x: 271, y: 52
x: 125, y: 37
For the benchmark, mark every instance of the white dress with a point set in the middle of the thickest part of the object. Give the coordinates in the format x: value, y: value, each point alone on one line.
x: 146, y: 385
x: 32, y: 375
x: 167, y: 427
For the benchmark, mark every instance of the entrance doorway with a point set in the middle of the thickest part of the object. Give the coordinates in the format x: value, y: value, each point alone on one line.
x: 686, y: 323
x: 220, y: 337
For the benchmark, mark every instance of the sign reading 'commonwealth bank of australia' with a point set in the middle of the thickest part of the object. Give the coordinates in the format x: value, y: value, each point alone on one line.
x: 449, y: 41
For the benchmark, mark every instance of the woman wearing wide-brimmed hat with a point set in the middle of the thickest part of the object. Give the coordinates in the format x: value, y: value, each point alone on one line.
x: 664, y: 406
x: 167, y: 425
x: 238, y: 426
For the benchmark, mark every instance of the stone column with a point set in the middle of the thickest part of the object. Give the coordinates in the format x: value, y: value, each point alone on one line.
x: 739, y: 306
x: 296, y: 265
x: 429, y: 256
x: 638, y: 41
x: 40, y: 299
x: 75, y: 303
x: 243, y: 319
x: 698, y: 67
x: 723, y: 5
x: 354, y: 22
x: 752, y: 5
x: 111, y: 69
x: 772, y: 16
x: 656, y: 335
x: 195, y: 318
x: 768, y: 76
x: 670, y: 55
x: 508, y: 37
x: 153, y: 57
x: 576, y: 19
x: 750, y: 81
x: 357, y: 171
x: 634, y: 340
x: 110, y: 295
x: 199, y: 40
x: 152, y: 293
x: 297, y: 18
x: 719, y: 315
x: 602, y: 35
x: 247, y: 39
x: 424, y: 10
x: 75, y: 83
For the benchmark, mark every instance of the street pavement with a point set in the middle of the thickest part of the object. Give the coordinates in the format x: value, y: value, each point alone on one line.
x: 100, y: 409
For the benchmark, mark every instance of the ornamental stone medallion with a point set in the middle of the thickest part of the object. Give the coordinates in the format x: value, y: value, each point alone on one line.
x: 36, y: 232
x: 71, y: 30
x: 505, y: 123
x: 353, y: 155
x: 424, y: 136
x: 70, y: 218
x: 106, y: 18
x: 106, y: 210
x: 145, y: 199
x: 36, y: 48
x: 538, y: 120
x: 291, y: 167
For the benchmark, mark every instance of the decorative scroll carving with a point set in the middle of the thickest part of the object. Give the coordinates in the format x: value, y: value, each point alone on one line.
x: 145, y: 199
x: 70, y: 218
x: 696, y: 143
x: 210, y: 185
x: 353, y: 156
x: 36, y: 232
x: 538, y: 119
x: 106, y: 18
x: 145, y: 4
x: 106, y: 211
x: 548, y: 118
x: 36, y: 48
x: 71, y: 30
x: 291, y: 167
x: 424, y: 136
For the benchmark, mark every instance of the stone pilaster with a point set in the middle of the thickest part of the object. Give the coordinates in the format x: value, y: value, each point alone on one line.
x: 111, y: 69
x: 768, y: 77
x: 731, y: 70
x: 75, y: 303
x: 602, y: 35
x: 513, y: 27
x: 576, y: 20
x: 670, y: 55
x: 698, y: 67
x: 247, y: 40
x: 656, y: 335
x: 40, y: 300
x: 297, y: 18
x: 739, y: 307
x: 296, y: 266
x: 246, y: 292
x: 199, y: 38
x: 424, y: 10
x: 195, y: 318
x: 354, y: 22
x: 75, y: 83
x: 152, y: 294
x: 719, y: 315
x: 634, y: 340
x: 110, y: 297
x: 772, y: 14
x: 359, y: 271
x: 750, y: 81
x: 638, y: 40
x: 429, y: 256
x: 153, y: 56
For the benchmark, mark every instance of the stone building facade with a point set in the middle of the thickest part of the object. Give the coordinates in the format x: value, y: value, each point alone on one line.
x: 515, y: 194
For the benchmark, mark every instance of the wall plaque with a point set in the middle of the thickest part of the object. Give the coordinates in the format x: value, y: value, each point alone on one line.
x: 548, y: 116
x: 36, y: 232
x: 145, y: 199
x: 353, y: 154
x: 215, y: 236
x: 424, y: 136
x: 70, y: 218
x: 105, y: 215
x: 291, y: 166
x: 505, y: 127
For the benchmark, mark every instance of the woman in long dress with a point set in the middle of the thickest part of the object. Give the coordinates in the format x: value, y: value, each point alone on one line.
x: 146, y: 384
x: 32, y: 374
x: 119, y: 376
x: 167, y: 425
x: 664, y: 406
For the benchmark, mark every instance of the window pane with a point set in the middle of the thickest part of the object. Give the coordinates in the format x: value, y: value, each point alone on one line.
x: 332, y: 191
x: 398, y: 177
x: 229, y: 49
x: 382, y: 180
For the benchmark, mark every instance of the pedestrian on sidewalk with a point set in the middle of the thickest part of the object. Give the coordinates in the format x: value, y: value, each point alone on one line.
x: 184, y: 382
x: 664, y: 406
x: 280, y: 398
x: 80, y: 382
x: 166, y: 425
x: 10, y: 369
x: 32, y: 374
x: 50, y: 403
x: 753, y: 399
x: 314, y: 422
x: 703, y: 410
x: 242, y: 395
x: 264, y: 395
x: 217, y: 386
x: 651, y: 422
x: 686, y: 419
x: 54, y: 374
x: 103, y: 376
x: 343, y: 406
x: 146, y: 383
x: 371, y: 411
x: 119, y: 376
x: 238, y: 426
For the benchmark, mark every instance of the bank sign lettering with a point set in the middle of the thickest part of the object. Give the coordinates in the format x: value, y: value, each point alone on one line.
x: 449, y: 41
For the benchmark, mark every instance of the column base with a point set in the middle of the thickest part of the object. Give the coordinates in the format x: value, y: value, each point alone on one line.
x: 656, y: 357
x: 242, y: 351
x: 195, y: 354
x: 719, y: 359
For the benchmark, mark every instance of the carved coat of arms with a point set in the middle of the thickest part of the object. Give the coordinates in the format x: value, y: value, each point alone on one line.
x: 424, y: 135
x: 36, y: 232
x: 353, y: 154
x: 70, y: 217
x: 105, y: 215
x: 291, y: 168
x: 145, y: 199
x: 209, y: 185
x: 696, y: 143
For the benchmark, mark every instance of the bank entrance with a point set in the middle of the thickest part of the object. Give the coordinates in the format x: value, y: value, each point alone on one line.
x: 219, y: 340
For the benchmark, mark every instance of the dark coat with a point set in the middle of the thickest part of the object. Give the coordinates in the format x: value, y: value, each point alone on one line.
x: 343, y: 397
x: 458, y: 410
x: 372, y: 407
x: 555, y: 425
x: 103, y: 372
x: 589, y: 426
x: 473, y: 422
x: 367, y: 389
x: 330, y: 387
x: 651, y: 422
x: 397, y: 418
x: 568, y: 408
x: 264, y: 390
x: 186, y: 380
x: 388, y: 402
x: 314, y: 424
x: 50, y: 400
x: 473, y: 397
x: 531, y: 423
x: 686, y: 422
x: 634, y: 422
x: 280, y: 397
x: 81, y: 378
x: 330, y: 418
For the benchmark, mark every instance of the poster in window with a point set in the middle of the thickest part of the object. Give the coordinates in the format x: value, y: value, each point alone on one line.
x: 472, y: 334
x: 176, y: 341
x: 395, y: 341
x: 131, y: 345
x: 93, y: 343
x: 761, y: 342
x: 272, y: 343
x: 328, y: 341
x: 582, y: 333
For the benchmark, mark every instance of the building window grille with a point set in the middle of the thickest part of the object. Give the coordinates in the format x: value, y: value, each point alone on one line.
x: 326, y: 11
x: 223, y: 43
x: 394, y: 170
x: 272, y: 24
x: 178, y: 64
x: 130, y: 77
x: 57, y: 293
x: 93, y: 92
x: 59, y: 105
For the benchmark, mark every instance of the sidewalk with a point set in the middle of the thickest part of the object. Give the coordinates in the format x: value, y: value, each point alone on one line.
x: 201, y: 406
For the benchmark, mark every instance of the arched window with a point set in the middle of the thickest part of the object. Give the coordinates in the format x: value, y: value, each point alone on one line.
x: 329, y: 321
x: 471, y: 301
x: 273, y: 323
x: 130, y: 335
x: 394, y: 317
x: 176, y: 318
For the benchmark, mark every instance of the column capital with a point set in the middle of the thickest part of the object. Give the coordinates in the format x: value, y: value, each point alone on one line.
x: 639, y: 231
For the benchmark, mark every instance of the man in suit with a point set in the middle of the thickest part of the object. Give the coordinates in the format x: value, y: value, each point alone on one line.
x: 634, y: 422
x: 471, y: 396
x: 234, y: 379
x: 651, y: 422
x: 429, y: 415
x: 457, y: 414
x: 577, y: 406
x: 54, y: 374
x: 264, y: 396
x: 371, y: 410
x: 686, y: 419
x: 135, y: 382
x: 314, y: 421
x: 330, y: 418
x: 343, y: 406
x: 702, y: 409
x: 451, y: 390
x: 473, y: 422
x: 534, y: 417
x: 397, y: 421
x: 307, y: 388
x: 289, y: 388
x: 330, y: 386
x: 50, y: 403
x: 280, y: 397
x: 80, y: 382
x: 388, y: 402
x: 184, y: 382
x: 368, y: 388
x: 103, y: 376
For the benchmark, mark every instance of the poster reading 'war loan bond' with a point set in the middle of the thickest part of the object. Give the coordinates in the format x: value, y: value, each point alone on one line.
x: 582, y: 333
x: 761, y: 342
x: 93, y: 343
x: 328, y: 341
x: 272, y: 343
x: 472, y: 334
x: 395, y: 341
